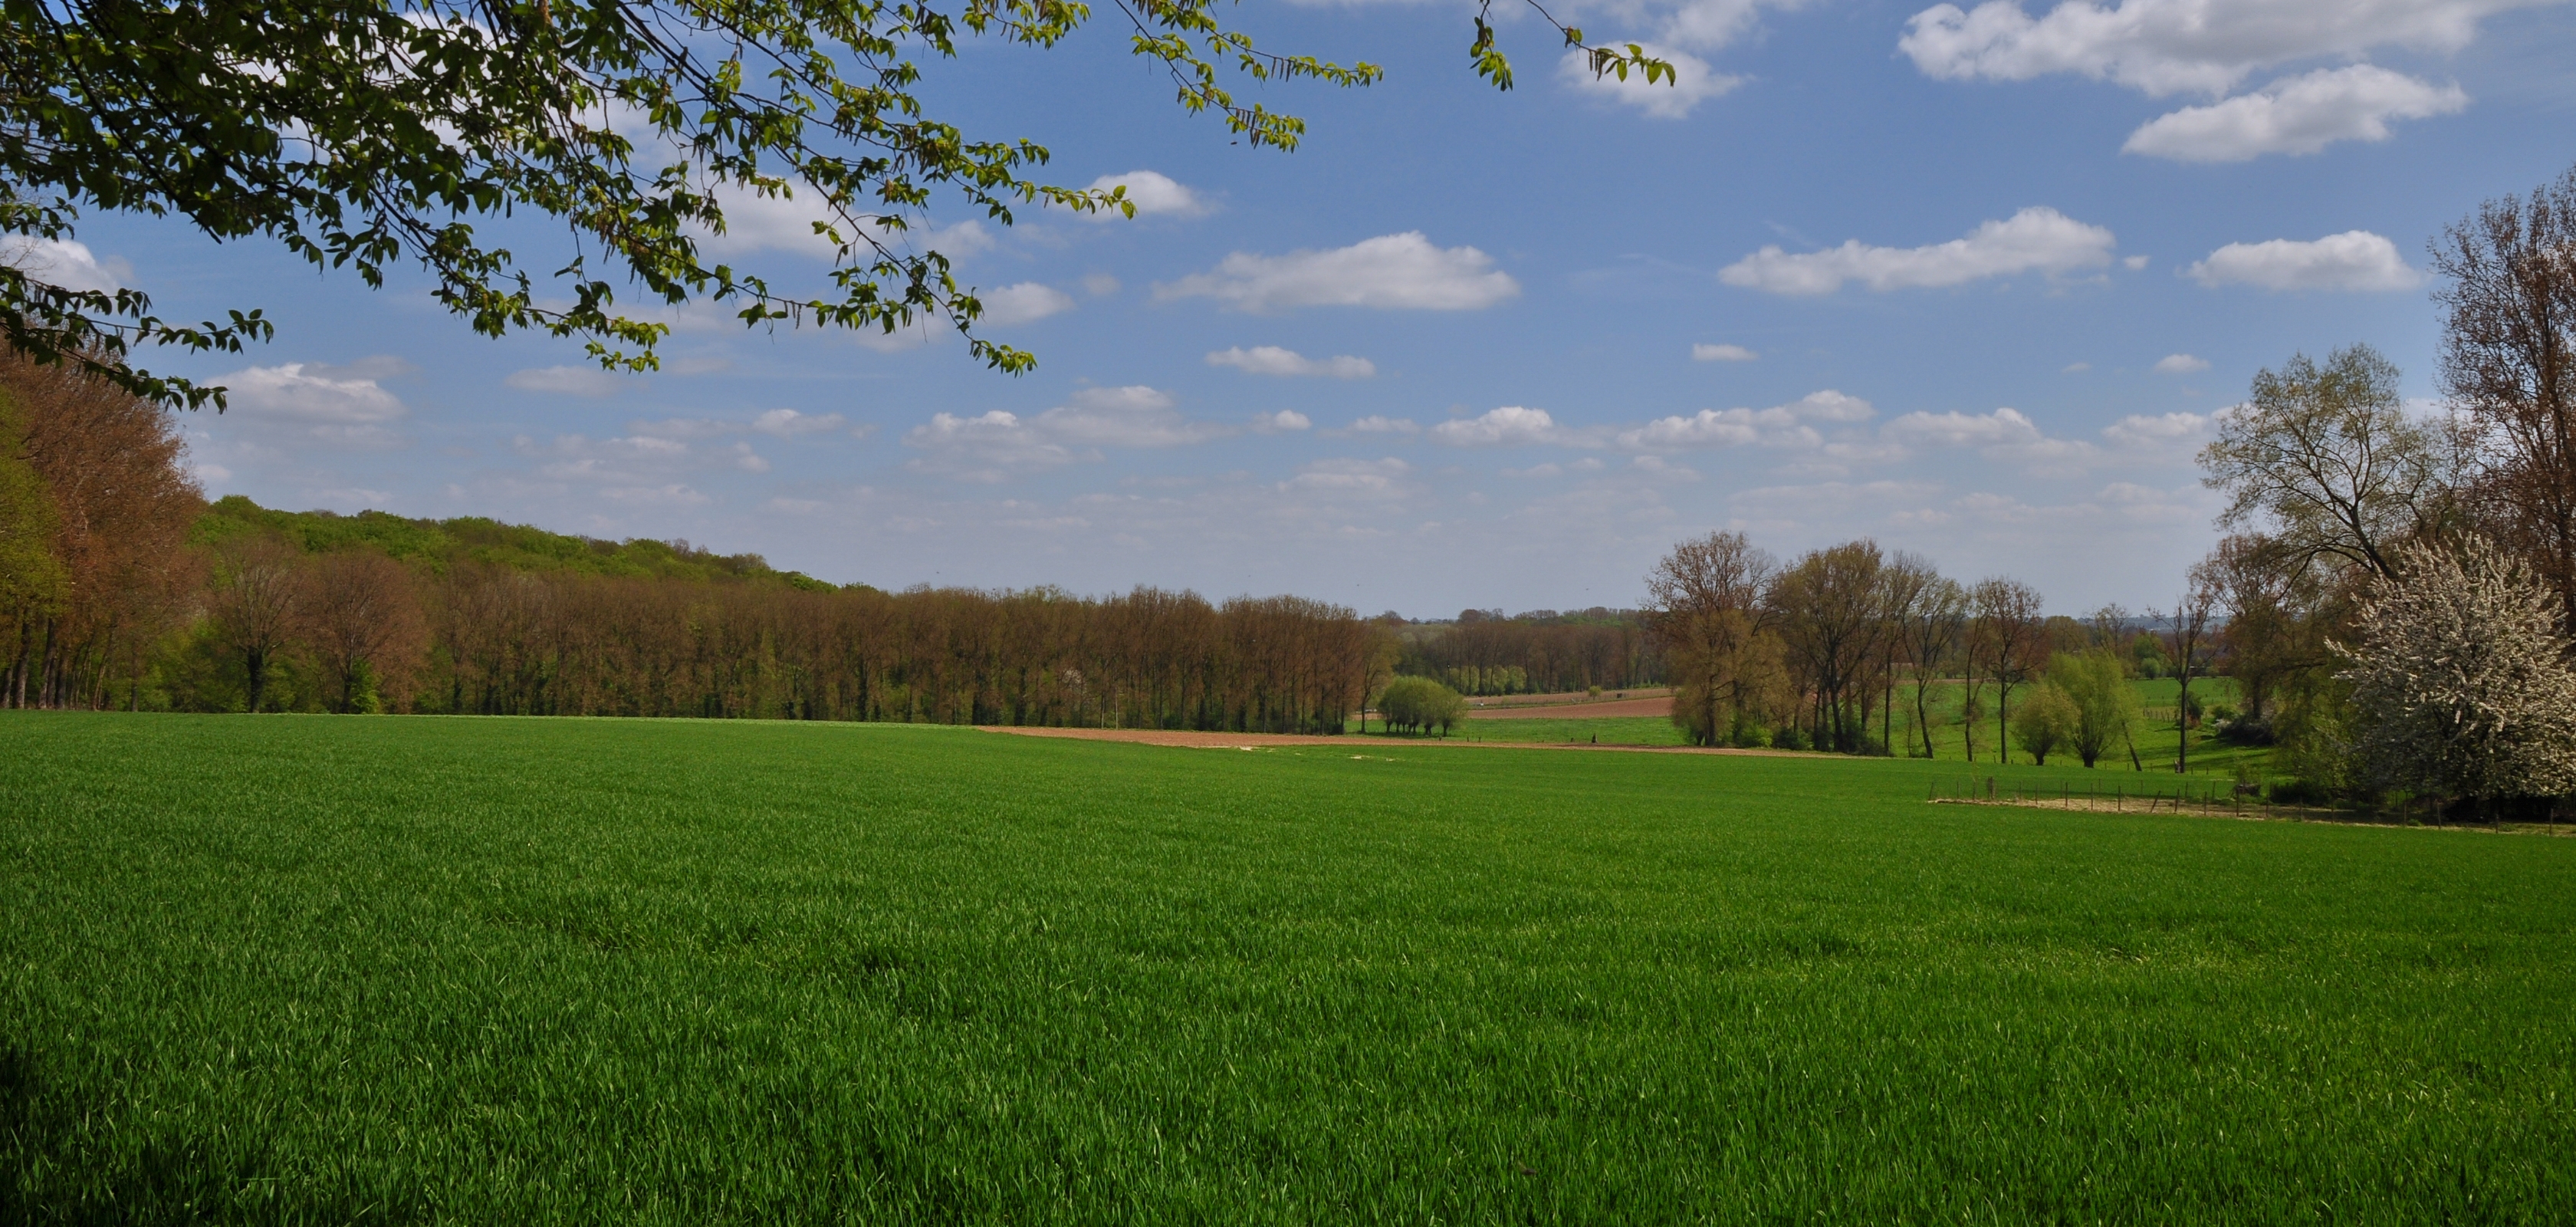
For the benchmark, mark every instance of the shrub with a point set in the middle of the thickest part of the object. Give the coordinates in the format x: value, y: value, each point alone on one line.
x: 2046, y: 720
x: 1788, y: 737
x: 1418, y: 705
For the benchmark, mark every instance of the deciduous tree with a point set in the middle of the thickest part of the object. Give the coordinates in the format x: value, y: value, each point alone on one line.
x: 2509, y: 369
x: 2460, y: 678
x: 368, y: 133
x: 2325, y: 461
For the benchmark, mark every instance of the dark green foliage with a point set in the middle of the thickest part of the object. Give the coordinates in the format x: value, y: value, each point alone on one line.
x: 440, y: 544
x: 286, y: 969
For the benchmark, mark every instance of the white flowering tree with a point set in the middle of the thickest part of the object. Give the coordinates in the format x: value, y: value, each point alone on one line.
x: 2461, y: 679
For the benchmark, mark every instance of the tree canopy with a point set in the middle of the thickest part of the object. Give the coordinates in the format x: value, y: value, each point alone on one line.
x: 362, y: 134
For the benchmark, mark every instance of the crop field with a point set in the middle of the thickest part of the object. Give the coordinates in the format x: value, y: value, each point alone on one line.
x: 2155, y: 741
x: 376, y: 969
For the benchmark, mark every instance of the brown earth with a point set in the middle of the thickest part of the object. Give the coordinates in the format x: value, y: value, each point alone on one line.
x: 1193, y: 739
x: 1661, y: 705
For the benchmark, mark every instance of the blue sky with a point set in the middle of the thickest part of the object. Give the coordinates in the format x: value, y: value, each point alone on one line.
x: 1967, y: 280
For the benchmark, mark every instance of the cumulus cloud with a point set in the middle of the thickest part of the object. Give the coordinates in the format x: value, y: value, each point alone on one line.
x: 1284, y: 420
x: 2035, y: 239
x: 2174, y: 46
x: 788, y: 423
x: 1691, y: 84
x: 2004, y: 434
x: 1273, y: 360
x: 65, y: 263
x: 1786, y: 425
x: 2181, y: 364
x: 1509, y: 426
x: 1356, y: 478
x: 341, y: 405
x: 2353, y: 260
x: 2158, y: 432
x: 755, y: 223
x: 637, y: 469
x: 1152, y: 193
x: 990, y: 446
x: 1393, y: 271
x: 567, y: 380
x: 1722, y: 353
x: 1024, y: 303
x: 2301, y: 115
x: 1379, y: 424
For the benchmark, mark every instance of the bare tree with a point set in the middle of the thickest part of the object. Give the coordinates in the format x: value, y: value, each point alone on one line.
x: 253, y: 603
x: 1930, y: 622
x: 2509, y: 370
x: 2186, y: 635
x: 1705, y: 603
x: 1832, y: 611
x: 2325, y: 460
x: 2007, y: 626
x: 363, y: 621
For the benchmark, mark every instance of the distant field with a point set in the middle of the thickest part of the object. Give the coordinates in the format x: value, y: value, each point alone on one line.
x: 1631, y: 724
x: 287, y: 969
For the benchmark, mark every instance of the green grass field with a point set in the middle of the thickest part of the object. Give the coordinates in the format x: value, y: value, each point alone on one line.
x: 2156, y: 738
x: 309, y: 969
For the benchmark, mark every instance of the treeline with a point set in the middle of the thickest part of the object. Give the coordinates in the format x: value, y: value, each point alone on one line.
x: 121, y: 588
x: 1541, y: 652
x: 2398, y: 595
x: 1818, y: 652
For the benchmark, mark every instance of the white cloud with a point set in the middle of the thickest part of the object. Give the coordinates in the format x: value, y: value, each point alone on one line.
x: 640, y: 468
x: 65, y: 263
x: 2075, y: 368
x: 1779, y: 426
x: 981, y: 448
x: 1285, y: 419
x: 1956, y: 429
x: 683, y: 428
x: 1722, y: 353
x: 320, y: 401
x: 2353, y: 260
x: 1152, y: 193
x: 2181, y: 364
x: 1692, y: 82
x: 567, y: 380
x: 756, y: 223
x: 1133, y: 416
x: 1024, y: 303
x: 1273, y: 360
x: 1393, y: 271
x: 1509, y: 426
x: 2039, y: 239
x: 988, y: 447
x: 1099, y: 284
x: 2299, y: 116
x: 2004, y: 434
x: 1366, y: 478
x: 2158, y: 432
x: 1378, y: 424
x: 788, y: 423
x: 2173, y: 46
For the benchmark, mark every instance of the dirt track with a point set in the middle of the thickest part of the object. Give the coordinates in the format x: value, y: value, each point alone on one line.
x: 1191, y: 739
